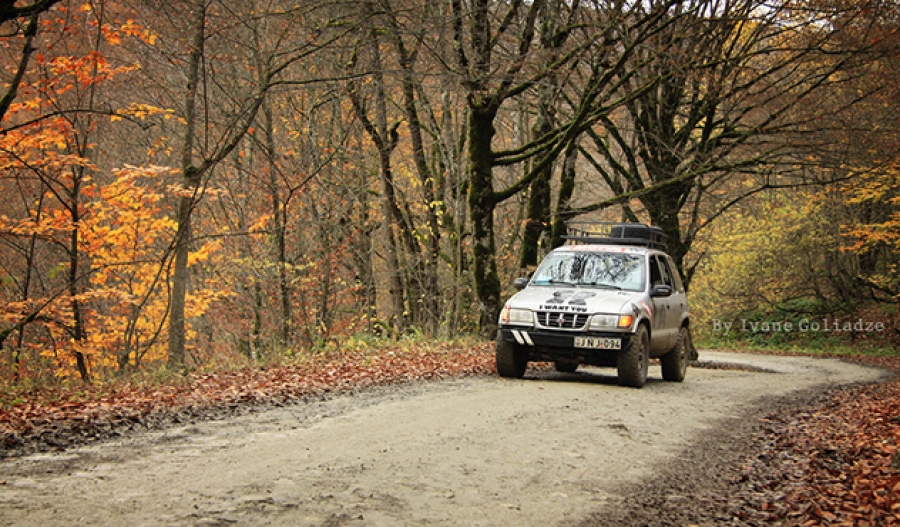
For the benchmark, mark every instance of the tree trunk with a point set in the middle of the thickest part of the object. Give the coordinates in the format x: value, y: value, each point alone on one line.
x: 397, y: 319
x: 190, y: 182
x: 481, y: 206
x: 664, y: 206
x: 539, y: 194
x: 184, y: 233
x: 75, y: 289
x: 26, y: 288
x: 451, y: 184
x: 564, y: 200
x: 538, y: 210
x: 279, y: 219
x: 323, y: 307
x: 361, y: 231
x: 256, y: 331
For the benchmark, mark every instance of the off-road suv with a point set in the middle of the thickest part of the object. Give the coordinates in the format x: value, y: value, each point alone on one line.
x: 610, y: 297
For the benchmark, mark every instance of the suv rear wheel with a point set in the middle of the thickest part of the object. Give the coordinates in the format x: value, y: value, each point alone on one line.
x: 632, y: 364
x: 511, y: 361
x: 674, y: 364
x: 565, y: 366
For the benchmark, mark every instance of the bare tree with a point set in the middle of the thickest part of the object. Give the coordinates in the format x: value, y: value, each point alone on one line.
x: 498, y: 65
x: 729, y: 108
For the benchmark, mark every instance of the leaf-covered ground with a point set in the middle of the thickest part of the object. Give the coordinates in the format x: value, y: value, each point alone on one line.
x: 830, y: 461
x: 49, y: 419
x: 835, y: 462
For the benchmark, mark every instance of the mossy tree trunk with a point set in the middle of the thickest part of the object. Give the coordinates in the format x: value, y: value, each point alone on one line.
x: 482, y: 203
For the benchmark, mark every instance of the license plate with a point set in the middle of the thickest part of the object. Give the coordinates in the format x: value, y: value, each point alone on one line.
x: 598, y: 343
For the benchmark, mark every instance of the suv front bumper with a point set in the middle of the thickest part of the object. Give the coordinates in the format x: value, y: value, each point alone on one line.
x: 544, y: 345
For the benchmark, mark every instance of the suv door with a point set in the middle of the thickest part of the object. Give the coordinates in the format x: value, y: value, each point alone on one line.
x: 667, y: 309
x: 678, y: 301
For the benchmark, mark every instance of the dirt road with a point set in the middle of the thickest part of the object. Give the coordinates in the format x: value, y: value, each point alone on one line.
x: 547, y: 450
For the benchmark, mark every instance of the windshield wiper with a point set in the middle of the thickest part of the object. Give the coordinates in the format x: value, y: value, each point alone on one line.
x: 607, y: 286
x: 562, y: 282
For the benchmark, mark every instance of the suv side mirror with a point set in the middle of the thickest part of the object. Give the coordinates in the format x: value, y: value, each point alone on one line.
x: 520, y: 283
x: 661, y: 290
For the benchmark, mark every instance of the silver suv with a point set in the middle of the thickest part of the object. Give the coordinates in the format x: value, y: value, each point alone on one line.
x: 610, y: 297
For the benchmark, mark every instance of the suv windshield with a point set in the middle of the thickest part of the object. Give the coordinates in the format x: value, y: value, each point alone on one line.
x: 611, y: 270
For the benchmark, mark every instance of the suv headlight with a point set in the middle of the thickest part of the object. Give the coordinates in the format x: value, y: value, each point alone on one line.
x: 601, y: 322
x: 516, y: 317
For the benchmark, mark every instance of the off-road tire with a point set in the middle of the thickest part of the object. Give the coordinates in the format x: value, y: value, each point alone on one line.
x: 632, y: 363
x: 564, y: 366
x: 510, y: 360
x: 675, y: 363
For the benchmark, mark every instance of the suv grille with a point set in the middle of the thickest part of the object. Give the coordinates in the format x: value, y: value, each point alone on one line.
x: 555, y: 320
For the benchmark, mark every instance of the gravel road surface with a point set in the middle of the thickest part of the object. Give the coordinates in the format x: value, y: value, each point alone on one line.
x: 551, y: 449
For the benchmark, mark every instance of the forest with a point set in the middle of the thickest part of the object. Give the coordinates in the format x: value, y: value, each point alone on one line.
x: 198, y: 182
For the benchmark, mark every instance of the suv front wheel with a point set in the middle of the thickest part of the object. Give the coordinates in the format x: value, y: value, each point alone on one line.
x: 633, y: 363
x: 510, y: 360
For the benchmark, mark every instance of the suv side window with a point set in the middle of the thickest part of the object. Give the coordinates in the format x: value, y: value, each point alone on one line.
x: 673, y: 272
x: 664, y: 272
x: 655, y: 275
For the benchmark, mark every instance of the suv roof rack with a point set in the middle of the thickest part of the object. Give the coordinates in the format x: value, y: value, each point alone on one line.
x: 615, y: 233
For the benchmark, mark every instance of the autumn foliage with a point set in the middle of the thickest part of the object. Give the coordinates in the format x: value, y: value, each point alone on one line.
x: 877, y: 197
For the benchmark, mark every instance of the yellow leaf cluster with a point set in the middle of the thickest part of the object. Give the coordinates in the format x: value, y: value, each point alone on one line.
x: 759, y: 256
x: 142, y: 111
